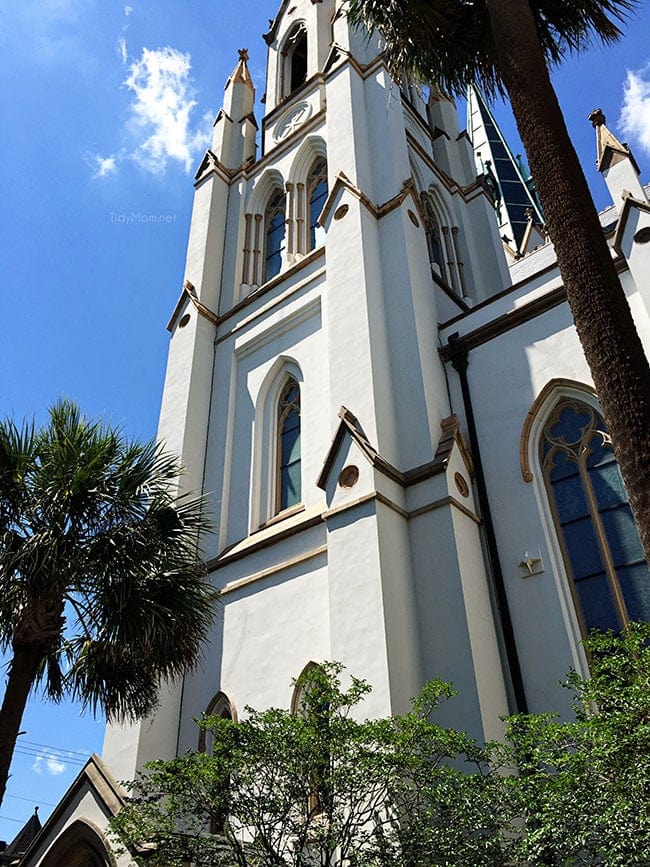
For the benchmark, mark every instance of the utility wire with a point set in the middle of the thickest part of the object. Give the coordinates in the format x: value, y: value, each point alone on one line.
x: 31, y: 800
x: 45, y: 754
x: 51, y: 748
x: 75, y: 757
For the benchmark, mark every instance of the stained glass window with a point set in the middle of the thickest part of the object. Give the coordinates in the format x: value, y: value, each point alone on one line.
x: 275, y: 230
x: 600, y: 542
x: 288, y: 482
x: 317, y: 192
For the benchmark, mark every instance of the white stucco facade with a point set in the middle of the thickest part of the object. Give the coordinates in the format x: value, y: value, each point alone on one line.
x: 383, y: 563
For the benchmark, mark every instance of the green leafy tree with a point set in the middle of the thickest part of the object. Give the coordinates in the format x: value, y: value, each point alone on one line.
x: 102, y: 590
x: 440, y: 801
x: 581, y: 795
x: 509, y: 45
x: 317, y: 787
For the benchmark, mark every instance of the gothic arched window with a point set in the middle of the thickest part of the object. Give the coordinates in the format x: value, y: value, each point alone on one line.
x: 274, y: 234
x: 307, y: 702
x: 600, y: 543
x: 221, y: 707
x: 297, y: 59
x: 317, y: 196
x: 288, y: 490
x: 434, y: 241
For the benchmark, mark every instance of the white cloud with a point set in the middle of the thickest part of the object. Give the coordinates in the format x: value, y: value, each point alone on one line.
x: 53, y: 765
x: 635, y: 111
x: 103, y: 166
x: 160, y: 112
x: 159, y: 125
x: 128, y: 10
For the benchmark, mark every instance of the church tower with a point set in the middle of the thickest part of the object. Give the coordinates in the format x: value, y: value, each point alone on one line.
x: 372, y: 503
x: 305, y: 393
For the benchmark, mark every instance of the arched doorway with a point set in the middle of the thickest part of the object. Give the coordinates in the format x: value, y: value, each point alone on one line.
x: 79, y: 846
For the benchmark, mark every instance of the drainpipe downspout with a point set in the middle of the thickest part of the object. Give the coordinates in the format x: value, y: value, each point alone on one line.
x: 458, y: 355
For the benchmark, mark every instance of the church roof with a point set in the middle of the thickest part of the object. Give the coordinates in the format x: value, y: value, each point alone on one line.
x: 94, y: 779
x: 19, y: 845
x: 514, y: 199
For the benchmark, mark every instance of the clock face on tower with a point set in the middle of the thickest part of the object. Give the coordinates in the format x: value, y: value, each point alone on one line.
x: 292, y: 120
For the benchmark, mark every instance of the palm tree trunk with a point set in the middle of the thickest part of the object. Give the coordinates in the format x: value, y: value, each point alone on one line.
x: 602, y: 316
x: 22, y: 674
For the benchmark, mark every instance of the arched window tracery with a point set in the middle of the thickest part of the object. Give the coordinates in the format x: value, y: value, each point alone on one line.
x: 295, y: 61
x: 317, y: 196
x: 80, y: 845
x: 303, y: 704
x: 599, y: 540
x: 288, y: 477
x: 219, y: 706
x: 434, y: 240
x: 298, y: 59
x: 443, y: 245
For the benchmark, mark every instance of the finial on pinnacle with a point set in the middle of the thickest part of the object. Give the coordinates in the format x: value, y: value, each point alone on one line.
x: 597, y: 118
x: 243, y: 54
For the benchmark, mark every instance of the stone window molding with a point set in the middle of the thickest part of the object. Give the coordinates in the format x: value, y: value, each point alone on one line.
x: 266, y: 503
x: 294, y: 61
x: 220, y: 705
x: 602, y: 553
x: 443, y: 243
x: 267, y: 203
x: 308, y: 170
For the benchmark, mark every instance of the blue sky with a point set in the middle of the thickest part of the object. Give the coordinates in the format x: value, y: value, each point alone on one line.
x: 105, y: 111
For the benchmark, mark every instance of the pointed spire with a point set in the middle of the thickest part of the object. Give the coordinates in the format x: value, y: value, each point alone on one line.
x: 240, y: 73
x: 19, y: 845
x: 616, y: 163
x: 235, y: 128
x: 512, y: 192
x: 610, y: 150
x: 239, y: 93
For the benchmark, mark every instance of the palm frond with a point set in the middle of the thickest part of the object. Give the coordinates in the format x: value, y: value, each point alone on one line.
x: 92, y: 518
x: 449, y: 42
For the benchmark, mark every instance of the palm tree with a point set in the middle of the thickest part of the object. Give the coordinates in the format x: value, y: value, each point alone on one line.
x: 102, y: 591
x: 508, y: 46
